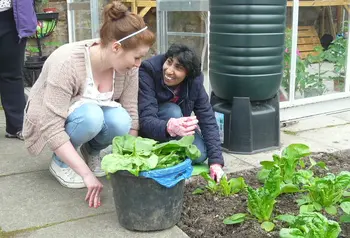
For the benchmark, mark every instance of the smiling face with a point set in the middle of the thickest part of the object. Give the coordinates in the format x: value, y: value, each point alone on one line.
x: 124, y: 60
x: 173, y: 72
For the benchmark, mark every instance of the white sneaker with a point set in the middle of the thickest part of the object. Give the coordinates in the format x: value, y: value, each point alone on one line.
x: 93, y: 161
x: 66, y: 176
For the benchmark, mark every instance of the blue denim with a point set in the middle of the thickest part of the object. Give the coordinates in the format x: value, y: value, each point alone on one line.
x: 96, y: 126
x: 171, y: 110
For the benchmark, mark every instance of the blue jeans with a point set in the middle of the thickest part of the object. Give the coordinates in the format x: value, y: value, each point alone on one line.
x: 96, y: 126
x: 171, y: 110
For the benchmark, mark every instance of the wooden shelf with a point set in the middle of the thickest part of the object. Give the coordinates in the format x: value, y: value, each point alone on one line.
x: 140, y: 7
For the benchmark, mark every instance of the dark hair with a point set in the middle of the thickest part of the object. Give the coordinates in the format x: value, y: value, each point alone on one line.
x: 187, y: 58
x: 119, y: 22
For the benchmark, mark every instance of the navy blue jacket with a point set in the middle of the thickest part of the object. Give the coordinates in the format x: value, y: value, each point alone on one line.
x: 193, y: 98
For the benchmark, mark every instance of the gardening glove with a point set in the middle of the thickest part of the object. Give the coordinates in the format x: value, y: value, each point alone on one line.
x: 183, y: 126
x: 216, y: 172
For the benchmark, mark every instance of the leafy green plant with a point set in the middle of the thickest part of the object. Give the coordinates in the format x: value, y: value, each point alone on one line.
x: 288, y: 161
x: 136, y: 154
x: 326, y: 193
x: 261, y: 201
x: 305, y: 83
x: 309, y: 225
x: 301, y: 67
x: 224, y: 187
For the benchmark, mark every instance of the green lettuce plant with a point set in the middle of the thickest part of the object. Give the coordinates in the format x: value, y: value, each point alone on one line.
x: 309, y: 225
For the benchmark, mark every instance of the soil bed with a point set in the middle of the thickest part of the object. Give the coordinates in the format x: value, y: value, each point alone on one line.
x: 202, y: 215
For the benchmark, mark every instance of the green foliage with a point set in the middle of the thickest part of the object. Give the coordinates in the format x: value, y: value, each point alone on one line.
x: 326, y: 193
x: 224, y: 187
x: 307, y: 82
x: 136, y: 154
x: 304, y: 81
x: 287, y: 162
x: 310, y: 225
x: 261, y: 201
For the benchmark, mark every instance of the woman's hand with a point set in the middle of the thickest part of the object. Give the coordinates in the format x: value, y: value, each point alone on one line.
x: 216, y: 172
x: 133, y: 132
x: 70, y: 156
x: 183, y: 126
x: 93, y: 196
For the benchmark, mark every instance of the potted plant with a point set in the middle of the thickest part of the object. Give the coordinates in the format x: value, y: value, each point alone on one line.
x: 337, y: 54
x: 301, y: 67
x: 148, y: 180
x: 312, y: 84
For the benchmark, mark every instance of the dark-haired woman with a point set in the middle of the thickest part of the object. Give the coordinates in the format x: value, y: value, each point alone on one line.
x: 86, y: 95
x: 171, y: 88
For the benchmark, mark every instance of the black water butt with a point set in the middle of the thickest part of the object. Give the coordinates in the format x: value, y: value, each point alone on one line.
x: 246, y: 69
x: 142, y: 204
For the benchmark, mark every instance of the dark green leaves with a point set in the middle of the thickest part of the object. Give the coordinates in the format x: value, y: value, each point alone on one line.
x: 136, y: 154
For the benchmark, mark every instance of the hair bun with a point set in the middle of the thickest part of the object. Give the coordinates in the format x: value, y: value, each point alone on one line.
x: 115, y: 11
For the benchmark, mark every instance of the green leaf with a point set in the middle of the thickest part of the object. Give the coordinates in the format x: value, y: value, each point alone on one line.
x: 235, y: 219
x: 303, y: 200
x: 267, y: 164
x: 192, y: 152
x: 322, y: 165
x: 306, y: 208
x: 296, y: 151
x: 289, y: 188
x: 267, y: 226
x: 346, y: 194
x: 331, y: 210
x: 345, y: 218
x: 291, y: 233
x: 236, y: 184
x: 290, y: 219
x: 198, y: 191
x: 312, y: 162
x: 345, y: 206
x: 263, y: 174
x: 317, y: 206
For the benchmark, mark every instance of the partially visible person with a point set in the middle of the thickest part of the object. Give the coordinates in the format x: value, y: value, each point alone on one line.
x: 171, y: 88
x: 86, y: 95
x: 17, y: 22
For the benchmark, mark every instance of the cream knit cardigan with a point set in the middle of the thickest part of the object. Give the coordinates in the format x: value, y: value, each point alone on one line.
x: 60, y: 84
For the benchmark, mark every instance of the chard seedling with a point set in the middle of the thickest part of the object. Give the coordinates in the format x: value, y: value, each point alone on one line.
x: 328, y: 193
x: 261, y: 202
x: 290, y: 158
x: 309, y: 225
x: 224, y: 187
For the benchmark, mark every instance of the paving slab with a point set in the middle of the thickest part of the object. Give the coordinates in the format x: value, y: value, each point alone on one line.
x: 254, y: 159
x: 14, y: 157
x: 101, y: 226
x: 337, y: 137
x: 233, y: 164
x: 36, y: 199
x: 322, y: 121
x: 343, y: 115
x: 287, y: 139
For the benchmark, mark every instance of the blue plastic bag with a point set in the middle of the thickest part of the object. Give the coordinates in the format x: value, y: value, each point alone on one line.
x: 169, y: 177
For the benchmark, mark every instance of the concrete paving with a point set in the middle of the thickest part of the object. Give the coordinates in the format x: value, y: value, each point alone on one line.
x: 34, y: 204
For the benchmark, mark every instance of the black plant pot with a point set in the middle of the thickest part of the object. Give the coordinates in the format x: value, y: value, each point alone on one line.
x: 144, y: 205
x: 32, y: 69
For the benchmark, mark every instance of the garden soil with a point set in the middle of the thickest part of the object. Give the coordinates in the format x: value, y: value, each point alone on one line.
x: 202, y: 215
